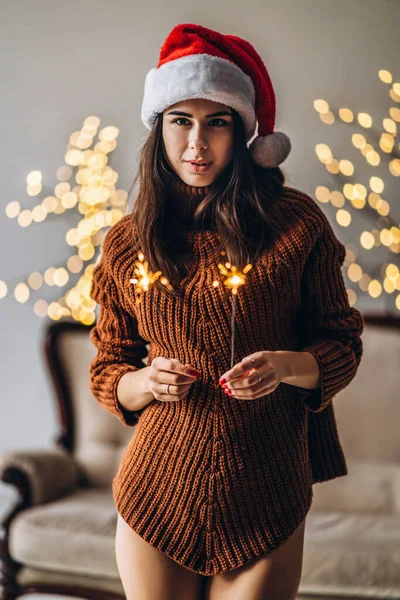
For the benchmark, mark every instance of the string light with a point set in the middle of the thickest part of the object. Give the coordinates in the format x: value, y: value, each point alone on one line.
x: 355, y: 194
x: 99, y: 206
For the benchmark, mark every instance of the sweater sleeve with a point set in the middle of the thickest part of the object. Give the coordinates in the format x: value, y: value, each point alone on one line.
x: 120, y: 349
x: 331, y: 328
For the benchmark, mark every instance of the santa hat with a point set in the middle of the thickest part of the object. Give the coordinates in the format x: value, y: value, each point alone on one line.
x: 196, y: 62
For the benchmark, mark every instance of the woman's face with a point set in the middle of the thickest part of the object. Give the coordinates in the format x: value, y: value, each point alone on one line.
x: 193, y: 132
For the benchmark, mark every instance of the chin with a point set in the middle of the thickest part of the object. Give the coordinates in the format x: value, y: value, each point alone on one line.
x: 197, y: 180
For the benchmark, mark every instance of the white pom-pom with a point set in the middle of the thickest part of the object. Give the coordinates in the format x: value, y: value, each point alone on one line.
x: 270, y: 150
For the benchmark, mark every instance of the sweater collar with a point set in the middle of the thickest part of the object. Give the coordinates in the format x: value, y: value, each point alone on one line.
x: 183, y: 201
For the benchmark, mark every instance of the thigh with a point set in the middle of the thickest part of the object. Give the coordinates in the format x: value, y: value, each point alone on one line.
x: 272, y: 576
x: 148, y: 574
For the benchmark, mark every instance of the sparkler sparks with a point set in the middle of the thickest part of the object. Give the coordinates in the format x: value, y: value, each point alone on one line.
x: 145, y: 277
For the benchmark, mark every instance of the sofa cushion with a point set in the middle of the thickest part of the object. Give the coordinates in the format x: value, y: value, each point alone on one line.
x: 344, y: 553
x: 371, y: 487
x: 75, y: 534
x: 30, y: 576
x: 348, y: 554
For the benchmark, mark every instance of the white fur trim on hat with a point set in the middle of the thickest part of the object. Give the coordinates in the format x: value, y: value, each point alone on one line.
x: 199, y: 76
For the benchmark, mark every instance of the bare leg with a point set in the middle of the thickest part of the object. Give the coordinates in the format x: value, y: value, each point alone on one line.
x: 148, y: 574
x: 273, y: 576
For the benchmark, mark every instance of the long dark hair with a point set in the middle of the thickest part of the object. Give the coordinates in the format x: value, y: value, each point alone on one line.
x: 241, y: 201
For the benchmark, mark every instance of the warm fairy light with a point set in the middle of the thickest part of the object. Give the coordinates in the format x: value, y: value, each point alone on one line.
x: 367, y: 240
x: 40, y: 308
x: 386, y: 143
x: 333, y: 166
x: 74, y: 157
x: 395, y: 97
x: 234, y: 278
x: 35, y: 280
x: 364, y: 282
x: 360, y: 191
x: 394, y: 167
x: 34, y: 190
x: 354, y: 272
x: 327, y: 118
x: 396, y: 88
x: 61, y: 277
x: 50, y: 203
x: 39, y: 213
x: 385, y: 76
x: 346, y: 115
x: 343, y: 217
x: 323, y: 152
x: 74, y: 264
x: 358, y: 140
x: 109, y: 134
x: 376, y: 184
x: 375, y: 288
x: 145, y: 278
x: 321, y: 106
x: 13, y: 209
x: 25, y: 218
x: 337, y: 199
x: 322, y: 193
x: 21, y: 292
x: 394, y: 113
x: 390, y: 126
x: 364, y: 119
x: 3, y: 289
x: 64, y: 173
x: 373, y: 158
x: 352, y: 296
x: 346, y: 167
x: 34, y: 178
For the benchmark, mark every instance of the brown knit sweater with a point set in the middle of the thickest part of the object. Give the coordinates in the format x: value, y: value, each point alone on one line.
x: 214, y: 481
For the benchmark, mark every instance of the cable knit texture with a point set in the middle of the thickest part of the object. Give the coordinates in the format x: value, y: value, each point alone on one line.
x: 214, y: 481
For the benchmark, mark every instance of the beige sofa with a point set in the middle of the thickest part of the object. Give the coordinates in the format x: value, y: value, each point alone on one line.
x: 59, y: 537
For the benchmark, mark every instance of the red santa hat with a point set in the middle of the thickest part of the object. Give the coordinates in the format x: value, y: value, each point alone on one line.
x: 196, y: 62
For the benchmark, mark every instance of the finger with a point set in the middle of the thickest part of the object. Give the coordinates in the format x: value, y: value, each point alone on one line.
x: 175, y: 392
x: 171, y: 365
x: 252, y: 379
x: 243, y: 367
x: 257, y: 391
x: 173, y: 389
x: 172, y: 378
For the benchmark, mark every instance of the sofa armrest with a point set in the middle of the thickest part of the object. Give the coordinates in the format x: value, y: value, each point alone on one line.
x: 50, y: 473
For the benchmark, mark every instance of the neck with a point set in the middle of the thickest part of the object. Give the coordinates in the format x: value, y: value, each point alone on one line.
x: 182, y: 202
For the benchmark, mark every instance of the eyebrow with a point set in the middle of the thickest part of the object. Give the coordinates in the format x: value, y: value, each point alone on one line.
x: 184, y: 114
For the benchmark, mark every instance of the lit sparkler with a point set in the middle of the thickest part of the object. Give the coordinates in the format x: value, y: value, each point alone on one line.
x: 145, y: 278
x: 234, y: 279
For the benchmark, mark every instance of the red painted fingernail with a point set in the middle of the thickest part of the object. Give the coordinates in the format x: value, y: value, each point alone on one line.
x: 222, y: 381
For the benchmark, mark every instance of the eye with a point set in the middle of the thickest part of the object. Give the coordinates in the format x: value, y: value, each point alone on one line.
x: 222, y: 121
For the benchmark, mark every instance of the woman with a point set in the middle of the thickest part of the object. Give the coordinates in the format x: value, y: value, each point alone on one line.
x: 214, y: 487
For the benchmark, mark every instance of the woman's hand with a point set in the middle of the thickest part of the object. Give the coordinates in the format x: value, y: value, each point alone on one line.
x: 245, y: 384
x: 164, y: 371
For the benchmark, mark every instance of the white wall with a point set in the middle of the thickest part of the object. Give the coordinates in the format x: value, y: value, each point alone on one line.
x: 61, y: 62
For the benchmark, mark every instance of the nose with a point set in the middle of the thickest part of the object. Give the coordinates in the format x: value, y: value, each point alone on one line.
x: 197, y: 139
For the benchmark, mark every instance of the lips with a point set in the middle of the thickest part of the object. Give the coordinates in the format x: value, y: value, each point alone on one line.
x: 198, y: 168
